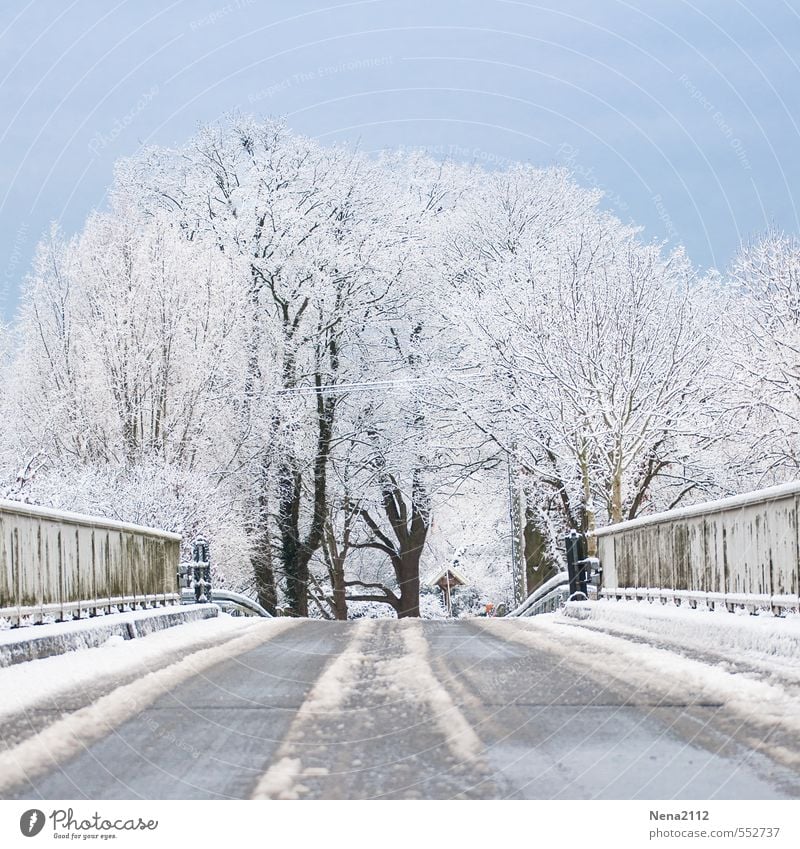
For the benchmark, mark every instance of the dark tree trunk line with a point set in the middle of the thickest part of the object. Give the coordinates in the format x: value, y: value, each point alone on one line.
x: 335, y: 557
x: 540, y: 566
x: 261, y: 559
x: 410, y: 530
x: 296, y: 550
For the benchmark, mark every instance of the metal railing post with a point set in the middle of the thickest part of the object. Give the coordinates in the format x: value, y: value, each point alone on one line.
x: 201, y: 567
x: 575, y: 544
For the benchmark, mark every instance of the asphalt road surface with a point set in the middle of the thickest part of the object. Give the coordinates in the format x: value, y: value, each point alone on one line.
x: 431, y: 710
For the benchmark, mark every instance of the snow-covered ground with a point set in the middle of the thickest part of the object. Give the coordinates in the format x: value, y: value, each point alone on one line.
x: 748, y: 665
x: 144, y: 669
x: 26, y: 684
x: 540, y: 707
x: 764, y: 646
x: 85, y: 625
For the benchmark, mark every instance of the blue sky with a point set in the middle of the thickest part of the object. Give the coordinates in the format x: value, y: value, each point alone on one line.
x: 685, y: 114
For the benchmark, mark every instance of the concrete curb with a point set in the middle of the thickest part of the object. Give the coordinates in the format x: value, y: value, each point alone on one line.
x: 91, y: 633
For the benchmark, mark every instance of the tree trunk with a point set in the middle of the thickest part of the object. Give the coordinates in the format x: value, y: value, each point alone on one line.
x: 289, y: 489
x: 405, y: 552
x: 616, y: 496
x: 588, y: 518
x: 409, y: 587
x: 335, y: 558
x: 297, y: 552
x: 263, y: 570
x: 339, y: 594
x: 539, y: 564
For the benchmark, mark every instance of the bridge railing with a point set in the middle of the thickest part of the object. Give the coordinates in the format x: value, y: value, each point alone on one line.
x: 230, y: 602
x: 545, y: 598
x: 60, y: 565
x: 742, y: 551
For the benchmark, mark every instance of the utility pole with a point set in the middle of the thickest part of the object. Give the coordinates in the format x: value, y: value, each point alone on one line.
x: 515, y: 508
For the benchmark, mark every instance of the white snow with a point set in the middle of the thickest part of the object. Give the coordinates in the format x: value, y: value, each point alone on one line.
x: 328, y: 694
x: 281, y: 780
x: 760, y: 496
x: 60, y: 629
x: 73, y: 732
x: 408, y: 678
x: 540, y: 592
x: 25, y: 684
x: 414, y: 677
x: 772, y: 704
x: 32, y: 510
x: 764, y: 642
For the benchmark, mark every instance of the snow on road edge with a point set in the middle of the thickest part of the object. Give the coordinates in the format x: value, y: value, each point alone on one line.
x: 27, y: 685
x: 602, y: 655
x: 768, y: 642
x: 73, y: 733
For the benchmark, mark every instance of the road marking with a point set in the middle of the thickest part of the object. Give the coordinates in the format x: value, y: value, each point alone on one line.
x: 70, y: 735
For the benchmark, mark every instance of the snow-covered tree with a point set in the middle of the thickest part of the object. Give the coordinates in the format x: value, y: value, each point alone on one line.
x: 763, y: 335
x: 595, y: 344
x: 325, y: 360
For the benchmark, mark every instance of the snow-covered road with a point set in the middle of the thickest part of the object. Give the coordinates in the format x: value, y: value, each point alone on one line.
x: 550, y: 707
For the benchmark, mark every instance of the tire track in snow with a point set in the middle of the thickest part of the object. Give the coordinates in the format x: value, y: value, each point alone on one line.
x: 70, y: 735
x: 754, y: 703
x: 283, y: 778
x: 374, y: 680
x: 414, y: 672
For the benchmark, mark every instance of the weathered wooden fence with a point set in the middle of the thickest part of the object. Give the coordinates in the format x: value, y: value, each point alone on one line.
x: 740, y: 551
x: 55, y: 564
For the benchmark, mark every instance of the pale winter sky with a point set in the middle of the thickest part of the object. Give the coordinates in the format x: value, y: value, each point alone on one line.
x: 686, y: 114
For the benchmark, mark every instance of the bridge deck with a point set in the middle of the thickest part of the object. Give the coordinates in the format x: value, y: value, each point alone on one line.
x: 409, y: 710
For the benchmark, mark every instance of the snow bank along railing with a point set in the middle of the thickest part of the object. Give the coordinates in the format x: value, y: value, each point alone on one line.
x: 737, y: 552
x: 546, y: 598
x: 61, y: 565
x: 230, y: 602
